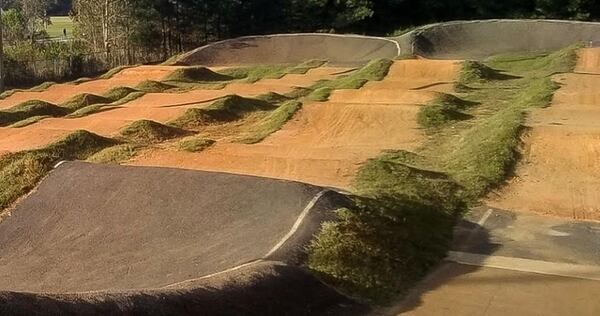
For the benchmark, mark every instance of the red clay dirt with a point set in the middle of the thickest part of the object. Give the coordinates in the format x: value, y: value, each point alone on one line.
x: 560, y: 172
x: 325, y: 143
x: 161, y: 107
x: 59, y: 93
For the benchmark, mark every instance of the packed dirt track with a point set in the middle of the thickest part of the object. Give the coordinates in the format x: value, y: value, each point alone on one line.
x: 326, y: 142
x: 58, y: 93
x: 560, y: 171
x: 161, y: 107
x: 480, y: 39
x: 291, y: 48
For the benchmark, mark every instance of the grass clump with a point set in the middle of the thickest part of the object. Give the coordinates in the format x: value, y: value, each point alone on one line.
x: 321, y: 94
x: 115, y: 154
x: 273, y: 98
x: 29, y: 109
x: 541, y: 64
x: 111, y: 73
x: 272, y: 123
x: 400, y: 226
x: 228, y: 108
x: 85, y: 99
x: 146, y: 131
x: 474, y: 71
x: 444, y: 109
x: 197, y: 74
x: 195, y: 144
x: 20, y: 172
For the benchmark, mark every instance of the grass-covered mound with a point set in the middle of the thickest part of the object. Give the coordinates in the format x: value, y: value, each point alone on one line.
x: 228, y: 108
x: 28, y: 121
x: 20, y: 172
x: 273, y: 97
x: 151, y: 86
x: 29, y: 109
x: 85, y: 99
x: 197, y: 74
x: 118, y: 93
x: 305, y: 66
x: 375, y: 70
x: 444, y: 109
x: 255, y: 73
x: 195, y: 144
x: 115, y: 154
x: 146, y: 131
x: 272, y: 122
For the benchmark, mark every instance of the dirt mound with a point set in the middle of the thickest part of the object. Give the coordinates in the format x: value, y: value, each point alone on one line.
x: 292, y: 48
x: 560, y: 172
x: 326, y: 142
x: 480, y: 39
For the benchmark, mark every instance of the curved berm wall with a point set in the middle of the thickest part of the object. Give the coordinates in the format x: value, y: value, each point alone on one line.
x: 145, y: 240
x: 480, y: 39
x: 291, y: 48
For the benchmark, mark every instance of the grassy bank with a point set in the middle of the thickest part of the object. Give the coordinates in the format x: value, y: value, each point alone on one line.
x: 407, y: 203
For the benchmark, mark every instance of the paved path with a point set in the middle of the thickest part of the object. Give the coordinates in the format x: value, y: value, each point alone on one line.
x: 504, y: 263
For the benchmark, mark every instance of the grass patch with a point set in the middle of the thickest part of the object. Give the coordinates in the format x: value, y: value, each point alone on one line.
x: 228, y: 108
x: 197, y: 74
x: 443, y: 110
x: 20, y: 172
x: 58, y: 24
x: 273, y: 98
x: 115, y: 154
x: 195, y: 144
x: 272, y: 123
x: 146, y: 131
x: 111, y: 73
x: 85, y: 99
x: 29, y: 109
x: 28, y: 121
x: 320, y: 94
x: 540, y: 64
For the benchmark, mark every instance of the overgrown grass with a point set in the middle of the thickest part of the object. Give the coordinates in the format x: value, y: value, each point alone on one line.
x: 20, y: 172
x: 305, y: 66
x: 195, y: 144
x: 111, y: 73
x: 90, y: 109
x: 399, y: 228
x: 226, y: 109
x: 255, y: 73
x: 151, y: 86
x: 118, y: 93
x: 147, y: 132
x: 272, y: 122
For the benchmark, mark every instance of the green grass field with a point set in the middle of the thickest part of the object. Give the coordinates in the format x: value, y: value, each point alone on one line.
x: 60, y: 23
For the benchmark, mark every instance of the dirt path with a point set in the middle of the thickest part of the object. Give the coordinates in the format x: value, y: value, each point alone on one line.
x: 325, y: 143
x: 560, y: 171
x: 161, y: 107
x: 59, y: 93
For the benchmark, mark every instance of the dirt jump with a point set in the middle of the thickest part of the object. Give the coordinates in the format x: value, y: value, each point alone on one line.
x: 563, y: 143
x: 326, y: 142
x: 480, y: 39
x: 292, y: 48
